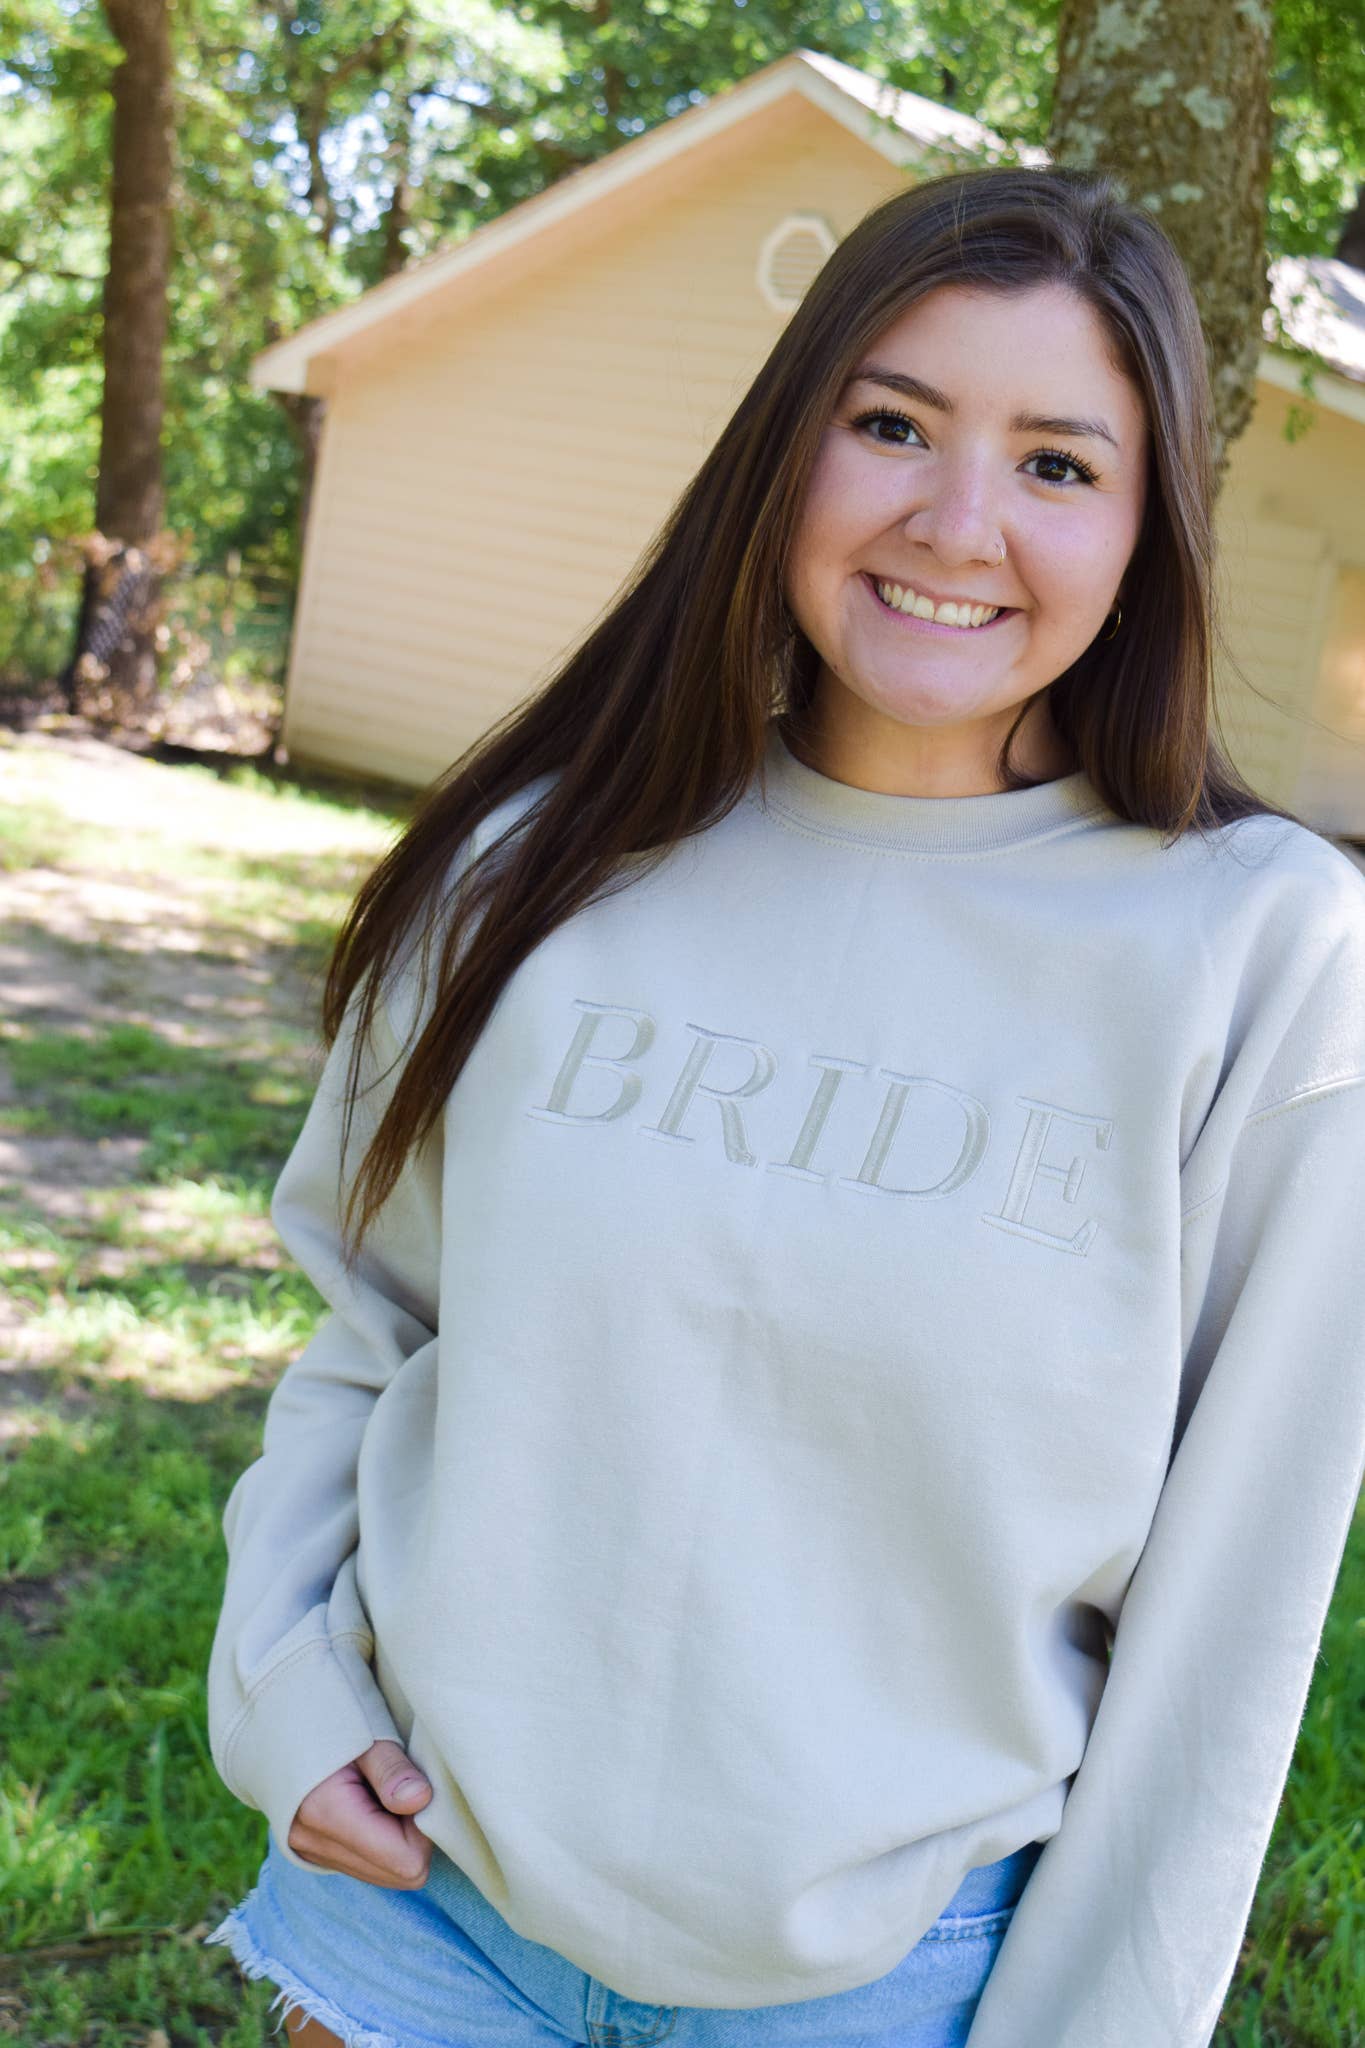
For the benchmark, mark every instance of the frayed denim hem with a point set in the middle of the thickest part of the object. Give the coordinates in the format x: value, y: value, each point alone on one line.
x: 235, y: 1936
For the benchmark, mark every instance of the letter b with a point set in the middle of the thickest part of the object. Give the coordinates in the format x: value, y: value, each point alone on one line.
x: 555, y: 1109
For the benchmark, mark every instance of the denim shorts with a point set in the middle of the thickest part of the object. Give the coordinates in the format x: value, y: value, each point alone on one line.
x: 441, y: 1968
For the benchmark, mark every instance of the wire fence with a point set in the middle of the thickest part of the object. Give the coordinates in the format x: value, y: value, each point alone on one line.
x: 222, y: 641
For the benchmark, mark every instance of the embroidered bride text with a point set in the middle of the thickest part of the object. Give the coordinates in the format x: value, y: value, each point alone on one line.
x: 872, y: 1173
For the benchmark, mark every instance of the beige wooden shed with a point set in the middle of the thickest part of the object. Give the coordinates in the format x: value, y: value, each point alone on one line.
x: 508, y: 422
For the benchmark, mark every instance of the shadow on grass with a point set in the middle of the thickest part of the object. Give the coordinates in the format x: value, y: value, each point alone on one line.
x: 340, y: 792
x: 200, y: 1112
x: 118, y: 1843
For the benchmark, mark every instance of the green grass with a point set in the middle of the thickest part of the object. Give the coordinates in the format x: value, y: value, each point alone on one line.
x: 337, y: 793
x: 41, y: 833
x: 116, y: 1837
x: 154, y: 1315
x: 148, y: 1320
x: 1301, y: 1983
x: 198, y: 1112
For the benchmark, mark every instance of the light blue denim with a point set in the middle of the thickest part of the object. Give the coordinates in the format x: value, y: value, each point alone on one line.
x: 441, y: 1968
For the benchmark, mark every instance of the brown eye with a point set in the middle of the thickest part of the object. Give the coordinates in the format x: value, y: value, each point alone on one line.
x: 1084, y: 473
x: 1083, y: 469
x: 887, y: 413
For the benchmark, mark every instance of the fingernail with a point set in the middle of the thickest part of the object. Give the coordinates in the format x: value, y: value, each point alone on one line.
x: 409, y: 1784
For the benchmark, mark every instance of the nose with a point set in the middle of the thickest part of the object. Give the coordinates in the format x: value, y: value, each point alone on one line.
x: 956, y: 520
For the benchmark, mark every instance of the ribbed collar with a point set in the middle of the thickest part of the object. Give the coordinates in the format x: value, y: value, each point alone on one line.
x: 935, y: 825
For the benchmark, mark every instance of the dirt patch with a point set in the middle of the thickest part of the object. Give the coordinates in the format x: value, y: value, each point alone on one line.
x: 28, y: 1394
x: 57, y: 1174
x: 61, y: 965
x: 154, y: 896
x: 34, y: 1603
x: 159, y: 901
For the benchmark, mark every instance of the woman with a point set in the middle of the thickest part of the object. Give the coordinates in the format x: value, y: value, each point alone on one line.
x: 836, y: 1181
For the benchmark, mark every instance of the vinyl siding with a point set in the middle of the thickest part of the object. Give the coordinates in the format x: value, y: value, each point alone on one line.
x: 1274, y: 589
x: 493, y: 466
x: 487, y: 486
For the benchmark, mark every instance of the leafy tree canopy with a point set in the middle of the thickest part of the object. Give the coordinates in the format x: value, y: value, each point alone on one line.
x: 321, y: 146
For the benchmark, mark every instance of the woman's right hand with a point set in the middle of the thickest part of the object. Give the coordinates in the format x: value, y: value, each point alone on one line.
x: 356, y: 1821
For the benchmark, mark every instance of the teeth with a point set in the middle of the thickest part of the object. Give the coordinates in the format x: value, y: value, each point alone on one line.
x: 945, y: 614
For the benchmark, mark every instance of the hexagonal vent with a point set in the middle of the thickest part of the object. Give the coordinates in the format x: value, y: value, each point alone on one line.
x: 791, y: 257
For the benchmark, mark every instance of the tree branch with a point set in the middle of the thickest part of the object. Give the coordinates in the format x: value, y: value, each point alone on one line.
x: 28, y: 266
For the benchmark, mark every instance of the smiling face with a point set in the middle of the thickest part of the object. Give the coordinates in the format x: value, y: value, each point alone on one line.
x: 980, y: 443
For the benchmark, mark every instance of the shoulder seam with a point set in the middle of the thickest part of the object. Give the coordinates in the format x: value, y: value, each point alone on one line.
x: 1306, y: 1094
x: 1294, y: 1100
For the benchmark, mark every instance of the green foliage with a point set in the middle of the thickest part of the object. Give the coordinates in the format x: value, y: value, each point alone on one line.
x: 319, y: 148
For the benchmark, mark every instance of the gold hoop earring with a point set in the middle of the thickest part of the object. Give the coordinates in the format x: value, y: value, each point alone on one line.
x: 1118, y: 614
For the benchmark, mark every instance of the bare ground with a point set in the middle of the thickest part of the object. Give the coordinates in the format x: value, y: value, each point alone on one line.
x: 163, y: 898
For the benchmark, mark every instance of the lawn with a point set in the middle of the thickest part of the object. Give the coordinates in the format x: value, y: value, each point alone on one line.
x: 162, y: 938
x: 163, y: 933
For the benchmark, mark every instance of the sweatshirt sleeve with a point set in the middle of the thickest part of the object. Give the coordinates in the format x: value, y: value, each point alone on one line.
x: 1129, y: 1930
x: 291, y: 1693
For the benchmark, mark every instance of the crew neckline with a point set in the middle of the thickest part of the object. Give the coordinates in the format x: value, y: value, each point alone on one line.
x: 923, y: 824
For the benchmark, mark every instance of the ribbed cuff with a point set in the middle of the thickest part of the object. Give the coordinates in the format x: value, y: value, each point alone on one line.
x: 321, y: 1708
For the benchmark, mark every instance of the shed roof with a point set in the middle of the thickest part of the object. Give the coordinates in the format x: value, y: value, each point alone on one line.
x: 1318, y: 302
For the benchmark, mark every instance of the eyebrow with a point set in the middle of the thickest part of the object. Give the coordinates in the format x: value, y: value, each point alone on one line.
x: 1022, y: 423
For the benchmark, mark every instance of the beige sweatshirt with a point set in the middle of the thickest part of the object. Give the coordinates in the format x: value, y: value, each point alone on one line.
x: 866, y: 1267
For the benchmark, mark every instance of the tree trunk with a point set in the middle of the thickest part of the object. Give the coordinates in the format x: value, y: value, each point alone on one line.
x: 305, y: 415
x: 1176, y: 102
x: 1351, y: 241
x: 398, y: 155
x: 115, y: 639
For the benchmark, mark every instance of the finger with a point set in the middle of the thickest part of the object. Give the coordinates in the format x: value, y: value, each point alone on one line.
x: 321, y: 1854
x: 327, y: 1853
x: 395, y: 1778
x: 341, y: 1822
x: 348, y: 1795
x: 365, y: 1830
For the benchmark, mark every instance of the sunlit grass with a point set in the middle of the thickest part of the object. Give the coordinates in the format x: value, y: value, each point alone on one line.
x: 197, y: 1111
x: 116, y: 1836
x: 24, y: 833
x: 1301, y: 1983
x: 146, y: 1321
x: 337, y: 795
x: 160, y: 1321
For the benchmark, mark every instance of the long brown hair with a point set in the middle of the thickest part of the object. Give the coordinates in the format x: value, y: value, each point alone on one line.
x: 654, y: 728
